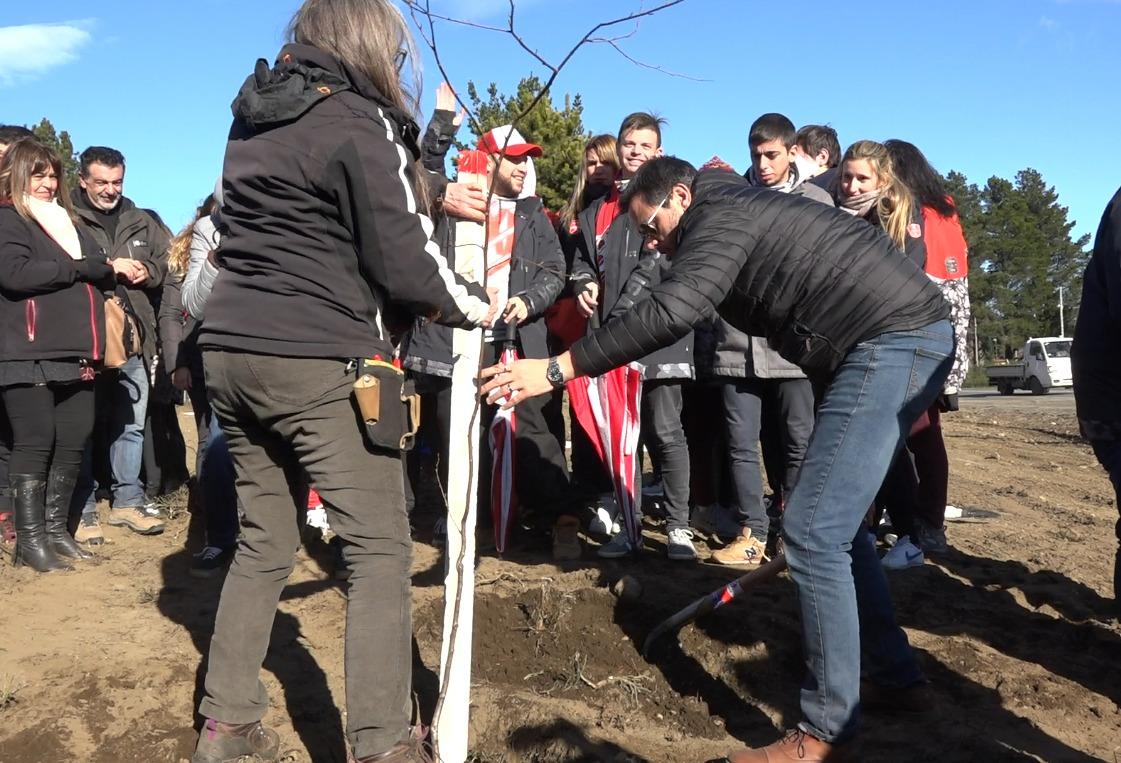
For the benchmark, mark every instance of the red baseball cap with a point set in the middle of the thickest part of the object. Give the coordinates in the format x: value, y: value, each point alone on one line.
x: 515, y: 145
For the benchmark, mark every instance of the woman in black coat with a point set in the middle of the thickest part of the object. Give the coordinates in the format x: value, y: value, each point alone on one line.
x: 52, y: 334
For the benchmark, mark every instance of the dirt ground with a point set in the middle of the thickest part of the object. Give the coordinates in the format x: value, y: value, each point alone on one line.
x: 104, y: 664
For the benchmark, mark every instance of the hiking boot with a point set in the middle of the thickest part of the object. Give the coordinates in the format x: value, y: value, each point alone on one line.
x: 931, y: 541
x: 914, y: 699
x: 902, y: 555
x: 60, y: 488
x: 797, y: 745
x: 413, y: 749
x: 744, y: 551
x: 210, y: 562
x: 618, y: 547
x: 679, y: 545
x: 716, y: 520
x: 135, y: 519
x: 230, y: 743
x: 89, y: 529
x: 32, y: 549
x: 566, y: 541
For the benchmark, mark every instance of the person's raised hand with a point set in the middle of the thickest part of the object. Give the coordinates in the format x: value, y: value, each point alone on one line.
x: 588, y: 299
x: 466, y: 202
x: 517, y: 311
x: 445, y: 101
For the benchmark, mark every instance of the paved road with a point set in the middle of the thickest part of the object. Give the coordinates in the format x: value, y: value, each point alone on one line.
x: 1056, y: 400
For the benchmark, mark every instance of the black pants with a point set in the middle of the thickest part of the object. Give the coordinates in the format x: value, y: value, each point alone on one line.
x: 165, y: 452
x: 5, y: 457
x: 284, y: 417
x: 50, y: 425
x: 747, y: 402
x: 664, y: 436
x: 432, y: 442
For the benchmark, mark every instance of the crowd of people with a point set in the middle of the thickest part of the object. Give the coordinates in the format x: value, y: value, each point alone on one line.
x: 801, y: 326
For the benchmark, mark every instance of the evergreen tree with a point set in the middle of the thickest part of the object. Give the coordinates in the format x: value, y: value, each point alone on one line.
x: 560, y: 132
x: 1021, y: 252
x: 60, y: 143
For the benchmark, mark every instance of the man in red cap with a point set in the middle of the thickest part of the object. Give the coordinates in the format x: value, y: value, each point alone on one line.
x: 525, y: 264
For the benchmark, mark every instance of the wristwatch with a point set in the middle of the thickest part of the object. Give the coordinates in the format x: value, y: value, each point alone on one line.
x: 553, y: 374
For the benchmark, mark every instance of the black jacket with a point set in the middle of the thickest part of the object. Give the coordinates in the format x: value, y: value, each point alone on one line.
x: 809, y: 278
x: 1096, y: 354
x: 51, y: 306
x: 325, y: 253
x: 630, y: 271
x: 536, y: 275
x: 141, y: 236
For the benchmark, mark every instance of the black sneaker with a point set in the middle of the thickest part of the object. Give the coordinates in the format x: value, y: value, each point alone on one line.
x: 210, y: 562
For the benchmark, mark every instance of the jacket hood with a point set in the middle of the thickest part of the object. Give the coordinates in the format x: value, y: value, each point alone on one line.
x: 302, y: 77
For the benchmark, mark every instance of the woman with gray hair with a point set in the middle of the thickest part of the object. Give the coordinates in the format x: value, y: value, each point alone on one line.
x: 325, y: 259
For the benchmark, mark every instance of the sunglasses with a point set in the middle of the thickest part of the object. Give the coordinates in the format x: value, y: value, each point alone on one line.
x: 647, y: 228
x: 399, y: 60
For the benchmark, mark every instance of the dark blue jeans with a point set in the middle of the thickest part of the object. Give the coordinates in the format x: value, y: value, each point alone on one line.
x: 216, y: 481
x: 122, y: 400
x: 867, y: 409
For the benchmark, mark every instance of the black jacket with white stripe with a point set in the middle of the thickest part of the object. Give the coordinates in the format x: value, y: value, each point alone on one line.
x: 327, y: 252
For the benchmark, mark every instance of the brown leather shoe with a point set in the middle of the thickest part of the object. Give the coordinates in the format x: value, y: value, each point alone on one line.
x: 796, y: 747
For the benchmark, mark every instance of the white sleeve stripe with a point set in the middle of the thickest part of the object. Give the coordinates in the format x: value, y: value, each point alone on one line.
x: 474, y: 308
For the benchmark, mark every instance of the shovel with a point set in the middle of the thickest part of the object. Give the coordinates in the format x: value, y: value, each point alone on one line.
x: 714, y: 600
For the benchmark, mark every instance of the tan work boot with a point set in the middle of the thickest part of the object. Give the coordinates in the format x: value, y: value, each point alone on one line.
x: 89, y: 530
x: 413, y: 749
x: 566, y: 541
x: 744, y: 551
x: 135, y: 519
x: 796, y: 746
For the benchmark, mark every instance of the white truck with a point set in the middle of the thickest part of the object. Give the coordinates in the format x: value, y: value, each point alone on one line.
x: 1046, y: 364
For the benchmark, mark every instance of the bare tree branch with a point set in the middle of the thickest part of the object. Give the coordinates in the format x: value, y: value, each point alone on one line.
x: 611, y: 41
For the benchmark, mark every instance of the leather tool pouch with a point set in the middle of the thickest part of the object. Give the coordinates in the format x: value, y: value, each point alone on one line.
x: 388, y: 404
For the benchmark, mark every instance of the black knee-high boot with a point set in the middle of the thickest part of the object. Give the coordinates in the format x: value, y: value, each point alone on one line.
x: 32, y: 547
x: 60, y: 489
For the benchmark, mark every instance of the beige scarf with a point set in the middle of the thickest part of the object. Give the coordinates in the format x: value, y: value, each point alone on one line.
x: 860, y: 204
x: 56, y: 223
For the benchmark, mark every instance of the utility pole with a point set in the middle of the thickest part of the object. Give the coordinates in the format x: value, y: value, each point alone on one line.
x: 1062, y: 323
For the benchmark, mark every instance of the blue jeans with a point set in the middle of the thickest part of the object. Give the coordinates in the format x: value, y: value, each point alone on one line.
x: 216, y: 480
x: 867, y: 410
x: 123, y: 402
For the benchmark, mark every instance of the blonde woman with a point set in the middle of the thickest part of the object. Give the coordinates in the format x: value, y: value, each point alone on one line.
x: 868, y: 187
x: 52, y: 335
x: 324, y: 259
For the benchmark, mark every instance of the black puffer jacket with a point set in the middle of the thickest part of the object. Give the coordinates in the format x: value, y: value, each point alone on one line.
x: 809, y: 278
x: 1096, y: 354
x: 51, y: 306
x: 630, y: 271
x: 536, y: 275
x: 326, y: 253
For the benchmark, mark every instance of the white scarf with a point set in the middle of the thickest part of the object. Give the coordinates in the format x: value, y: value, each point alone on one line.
x: 860, y: 204
x: 56, y: 223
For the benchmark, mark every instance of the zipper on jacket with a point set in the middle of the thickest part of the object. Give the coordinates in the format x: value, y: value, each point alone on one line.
x: 30, y: 312
x: 93, y: 323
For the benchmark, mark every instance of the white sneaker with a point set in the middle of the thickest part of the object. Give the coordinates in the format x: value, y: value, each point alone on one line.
x: 617, y: 547
x: 716, y: 520
x: 903, y: 554
x: 603, y: 522
x: 680, y: 545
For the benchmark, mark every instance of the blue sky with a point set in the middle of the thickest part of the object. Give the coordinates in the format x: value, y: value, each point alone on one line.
x: 986, y: 87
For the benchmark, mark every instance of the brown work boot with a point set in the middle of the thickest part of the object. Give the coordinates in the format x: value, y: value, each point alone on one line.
x: 135, y: 519
x: 744, y: 551
x: 89, y: 530
x: 412, y: 749
x: 566, y: 541
x: 798, y: 746
x: 233, y: 743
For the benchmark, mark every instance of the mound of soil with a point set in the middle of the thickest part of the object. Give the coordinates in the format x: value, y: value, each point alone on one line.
x: 104, y: 664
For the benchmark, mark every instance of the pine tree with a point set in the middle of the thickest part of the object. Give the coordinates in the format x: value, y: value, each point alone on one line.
x: 60, y: 143
x: 559, y: 132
